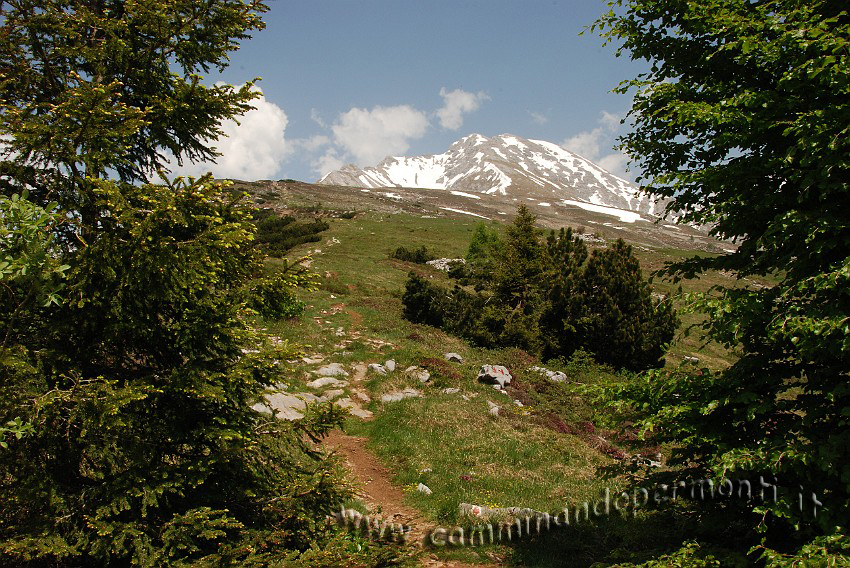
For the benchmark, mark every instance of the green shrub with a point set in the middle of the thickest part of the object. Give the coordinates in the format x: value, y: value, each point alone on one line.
x: 419, y: 256
x: 550, y: 298
x: 143, y: 447
x: 423, y: 302
x: 276, y: 234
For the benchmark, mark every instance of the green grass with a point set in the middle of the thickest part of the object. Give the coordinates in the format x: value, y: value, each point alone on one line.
x: 520, y: 458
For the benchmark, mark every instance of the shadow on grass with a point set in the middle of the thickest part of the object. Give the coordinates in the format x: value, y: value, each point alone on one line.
x: 615, y: 540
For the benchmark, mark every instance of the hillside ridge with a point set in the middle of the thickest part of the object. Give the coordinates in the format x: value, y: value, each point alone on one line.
x: 504, y: 165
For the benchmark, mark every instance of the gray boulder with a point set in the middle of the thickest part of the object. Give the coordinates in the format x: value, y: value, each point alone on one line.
x: 378, y: 368
x: 326, y: 382
x: 495, y: 375
x: 494, y: 408
x: 418, y: 373
x: 453, y: 357
x: 396, y: 396
x: 354, y: 409
x: 331, y: 394
x: 287, y: 406
x: 555, y: 376
x: 390, y: 365
x: 332, y: 370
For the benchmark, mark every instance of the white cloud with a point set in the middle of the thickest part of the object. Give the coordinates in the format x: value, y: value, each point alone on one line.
x: 455, y: 104
x: 316, y: 117
x: 593, y: 145
x: 610, y: 121
x: 371, y: 135
x: 252, y: 148
x: 327, y: 163
x: 538, y: 117
x: 311, y: 144
x: 367, y: 136
x: 586, y: 144
x: 616, y: 164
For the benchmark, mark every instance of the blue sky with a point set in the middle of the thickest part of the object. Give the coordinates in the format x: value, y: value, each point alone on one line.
x: 347, y: 81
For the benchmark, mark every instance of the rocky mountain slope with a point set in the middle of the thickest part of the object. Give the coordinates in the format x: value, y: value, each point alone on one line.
x: 504, y: 165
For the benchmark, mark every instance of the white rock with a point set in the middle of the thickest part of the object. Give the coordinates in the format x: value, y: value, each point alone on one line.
x: 495, y: 374
x: 556, y: 376
x: 494, y: 408
x: 378, y: 368
x: 453, y: 357
x: 363, y: 396
x: 444, y: 264
x: 354, y: 409
x: 326, y: 382
x: 287, y: 406
x: 390, y: 365
x: 331, y: 394
x: 332, y: 370
x: 451, y: 390
x: 422, y: 488
x: 396, y: 396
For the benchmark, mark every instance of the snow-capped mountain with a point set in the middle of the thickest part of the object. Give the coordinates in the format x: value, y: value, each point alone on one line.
x: 503, y: 165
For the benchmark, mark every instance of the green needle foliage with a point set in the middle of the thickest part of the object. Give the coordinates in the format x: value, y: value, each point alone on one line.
x: 89, y: 87
x: 143, y: 446
x: 549, y: 297
x: 129, y: 367
x: 743, y: 122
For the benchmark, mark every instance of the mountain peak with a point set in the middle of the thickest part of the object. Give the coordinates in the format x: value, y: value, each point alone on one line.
x: 506, y: 165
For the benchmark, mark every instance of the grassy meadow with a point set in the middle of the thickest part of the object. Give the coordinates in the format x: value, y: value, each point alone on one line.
x: 548, y: 453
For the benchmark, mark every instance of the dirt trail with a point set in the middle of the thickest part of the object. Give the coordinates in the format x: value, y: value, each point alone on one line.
x: 380, y: 494
x: 382, y: 498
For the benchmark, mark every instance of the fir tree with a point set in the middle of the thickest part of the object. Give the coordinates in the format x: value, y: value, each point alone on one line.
x: 142, y: 447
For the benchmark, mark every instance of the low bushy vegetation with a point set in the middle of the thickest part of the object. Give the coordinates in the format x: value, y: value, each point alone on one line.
x: 418, y: 256
x: 549, y: 297
x: 138, y: 442
x: 278, y: 234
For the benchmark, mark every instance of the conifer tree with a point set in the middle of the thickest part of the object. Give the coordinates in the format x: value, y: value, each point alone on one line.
x: 615, y: 314
x: 136, y: 382
x: 566, y: 254
x: 518, y: 271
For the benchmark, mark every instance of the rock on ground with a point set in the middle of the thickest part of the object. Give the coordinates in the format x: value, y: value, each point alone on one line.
x: 556, y: 376
x: 332, y: 370
x: 354, y: 408
x: 418, y: 373
x: 495, y: 375
x: 378, y: 368
x: 494, y: 408
x: 453, y: 357
x: 396, y: 396
x: 287, y: 406
x: 326, y: 382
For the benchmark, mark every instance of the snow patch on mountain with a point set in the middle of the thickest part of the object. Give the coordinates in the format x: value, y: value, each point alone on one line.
x: 505, y: 165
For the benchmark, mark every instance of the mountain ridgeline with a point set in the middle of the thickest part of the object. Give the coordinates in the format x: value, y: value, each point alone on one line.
x: 503, y: 165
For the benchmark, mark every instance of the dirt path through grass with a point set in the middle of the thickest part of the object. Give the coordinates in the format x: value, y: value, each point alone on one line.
x: 386, y: 499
